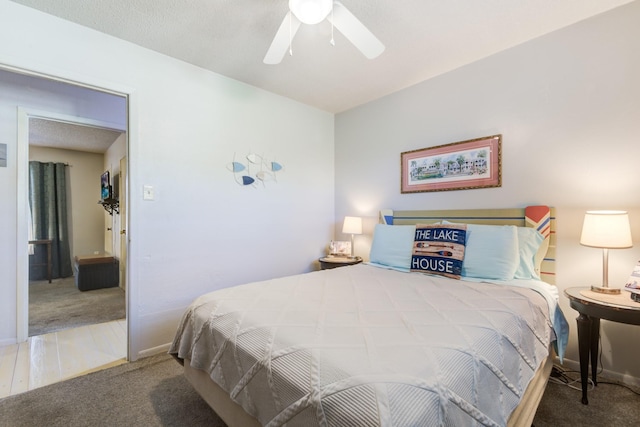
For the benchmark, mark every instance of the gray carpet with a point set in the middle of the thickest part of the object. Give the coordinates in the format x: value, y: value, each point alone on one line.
x: 609, y: 405
x: 60, y: 305
x: 153, y: 392
x: 149, y: 392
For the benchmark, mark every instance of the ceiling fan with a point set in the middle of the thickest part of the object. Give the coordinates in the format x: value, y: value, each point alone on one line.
x: 313, y: 12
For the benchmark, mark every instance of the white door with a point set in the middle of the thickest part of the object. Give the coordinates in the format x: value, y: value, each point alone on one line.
x: 122, y: 185
x: 108, y: 233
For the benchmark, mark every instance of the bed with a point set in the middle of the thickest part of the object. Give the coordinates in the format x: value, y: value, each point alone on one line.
x: 379, y: 344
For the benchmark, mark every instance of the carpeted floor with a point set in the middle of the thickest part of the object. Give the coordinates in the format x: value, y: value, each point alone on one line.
x: 153, y: 392
x: 149, y: 392
x: 609, y: 405
x: 60, y: 305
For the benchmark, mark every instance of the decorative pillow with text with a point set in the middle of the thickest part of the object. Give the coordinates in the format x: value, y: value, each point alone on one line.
x: 439, y: 249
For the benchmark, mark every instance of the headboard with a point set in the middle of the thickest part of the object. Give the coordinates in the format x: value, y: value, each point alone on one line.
x: 541, y: 218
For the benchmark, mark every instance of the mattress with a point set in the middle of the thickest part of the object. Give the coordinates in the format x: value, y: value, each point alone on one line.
x: 365, y: 346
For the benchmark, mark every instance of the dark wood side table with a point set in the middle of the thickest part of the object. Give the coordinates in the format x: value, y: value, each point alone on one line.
x: 329, y: 262
x: 592, y: 307
x: 48, y: 243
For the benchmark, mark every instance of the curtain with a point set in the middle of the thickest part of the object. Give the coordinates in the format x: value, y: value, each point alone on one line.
x: 48, y: 203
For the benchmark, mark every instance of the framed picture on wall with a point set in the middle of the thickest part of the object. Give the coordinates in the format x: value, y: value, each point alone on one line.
x: 105, y: 187
x: 464, y: 165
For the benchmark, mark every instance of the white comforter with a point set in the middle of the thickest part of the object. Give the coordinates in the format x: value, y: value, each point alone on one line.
x: 365, y: 346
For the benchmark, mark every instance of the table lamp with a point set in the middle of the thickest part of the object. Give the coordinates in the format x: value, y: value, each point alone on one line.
x: 606, y: 230
x: 352, y: 225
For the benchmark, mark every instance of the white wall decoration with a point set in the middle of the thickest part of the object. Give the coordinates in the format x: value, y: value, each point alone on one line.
x: 256, y: 169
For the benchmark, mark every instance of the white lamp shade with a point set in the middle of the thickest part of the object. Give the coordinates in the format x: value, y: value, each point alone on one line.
x: 606, y: 229
x: 311, y: 11
x: 352, y: 225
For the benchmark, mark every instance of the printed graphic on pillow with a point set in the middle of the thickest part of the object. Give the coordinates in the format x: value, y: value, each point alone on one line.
x: 439, y: 249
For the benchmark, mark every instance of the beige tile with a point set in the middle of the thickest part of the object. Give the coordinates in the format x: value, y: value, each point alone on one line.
x: 20, y: 382
x: 8, y: 356
x: 46, y: 359
x: 44, y: 363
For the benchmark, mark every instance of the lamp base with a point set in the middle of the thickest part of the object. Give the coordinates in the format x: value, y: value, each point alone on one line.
x: 605, y: 290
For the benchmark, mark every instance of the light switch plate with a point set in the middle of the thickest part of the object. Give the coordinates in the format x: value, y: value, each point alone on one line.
x: 147, y: 192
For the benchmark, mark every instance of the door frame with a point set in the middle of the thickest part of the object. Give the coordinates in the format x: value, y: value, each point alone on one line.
x: 22, y: 153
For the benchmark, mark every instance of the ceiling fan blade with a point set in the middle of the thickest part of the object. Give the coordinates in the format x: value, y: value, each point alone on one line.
x: 355, y: 31
x: 282, y: 39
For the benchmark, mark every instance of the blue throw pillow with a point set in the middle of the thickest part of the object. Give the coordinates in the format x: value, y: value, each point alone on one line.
x: 492, y: 252
x: 392, y: 245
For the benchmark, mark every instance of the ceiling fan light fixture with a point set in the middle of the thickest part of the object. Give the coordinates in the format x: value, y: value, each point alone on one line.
x: 311, y: 11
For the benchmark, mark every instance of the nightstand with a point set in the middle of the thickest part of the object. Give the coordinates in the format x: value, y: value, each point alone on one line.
x: 329, y: 262
x: 592, y: 307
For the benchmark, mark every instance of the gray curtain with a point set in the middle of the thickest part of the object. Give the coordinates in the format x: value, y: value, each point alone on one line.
x: 48, y: 202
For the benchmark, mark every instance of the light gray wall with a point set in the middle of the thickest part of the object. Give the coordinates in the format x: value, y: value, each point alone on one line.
x: 203, y: 231
x: 568, y: 107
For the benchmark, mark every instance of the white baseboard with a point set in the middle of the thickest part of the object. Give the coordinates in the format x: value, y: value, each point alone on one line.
x: 8, y: 341
x: 153, y: 351
x: 611, y: 375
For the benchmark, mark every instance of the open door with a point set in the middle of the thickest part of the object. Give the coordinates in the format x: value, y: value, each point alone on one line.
x: 122, y: 185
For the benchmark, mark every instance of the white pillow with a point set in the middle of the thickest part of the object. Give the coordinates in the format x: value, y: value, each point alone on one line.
x: 392, y: 245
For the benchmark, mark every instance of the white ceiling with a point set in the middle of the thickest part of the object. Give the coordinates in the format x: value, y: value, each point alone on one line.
x: 423, y: 38
x: 68, y: 136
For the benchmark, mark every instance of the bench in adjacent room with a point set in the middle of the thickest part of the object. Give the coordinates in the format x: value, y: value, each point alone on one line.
x: 96, y: 272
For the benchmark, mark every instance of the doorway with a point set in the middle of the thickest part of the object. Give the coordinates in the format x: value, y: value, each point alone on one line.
x: 28, y: 111
x: 80, y: 153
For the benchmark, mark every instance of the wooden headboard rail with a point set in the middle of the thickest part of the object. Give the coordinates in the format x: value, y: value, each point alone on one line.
x: 540, y: 217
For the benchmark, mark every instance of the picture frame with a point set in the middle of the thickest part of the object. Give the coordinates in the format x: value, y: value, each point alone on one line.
x: 633, y: 283
x: 340, y: 248
x: 105, y: 187
x: 464, y: 165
